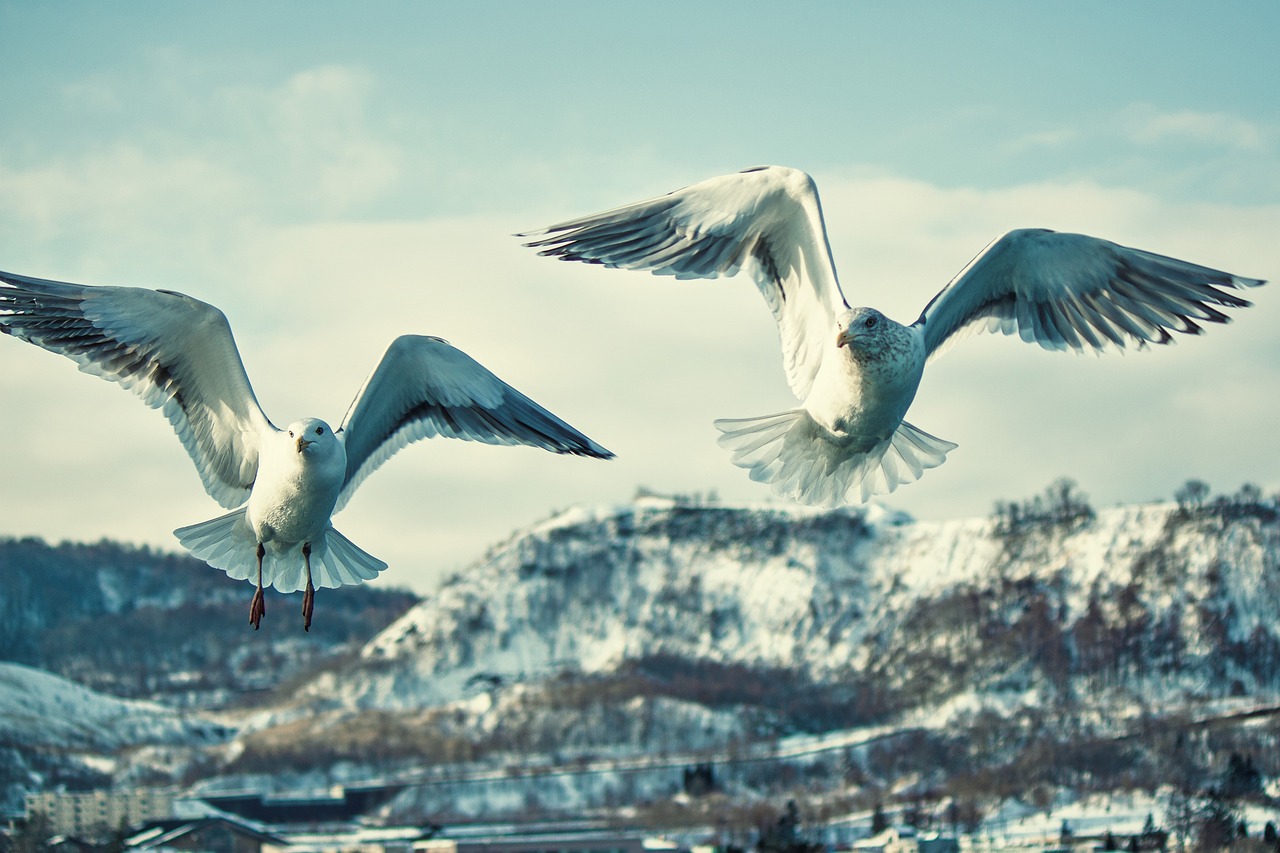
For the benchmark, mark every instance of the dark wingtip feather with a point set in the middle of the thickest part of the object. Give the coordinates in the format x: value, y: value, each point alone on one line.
x: 595, y: 451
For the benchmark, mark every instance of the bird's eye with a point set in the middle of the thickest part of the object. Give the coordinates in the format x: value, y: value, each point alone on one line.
x: 319, y: 430
x: 870, y: 323
x: 290, y: 433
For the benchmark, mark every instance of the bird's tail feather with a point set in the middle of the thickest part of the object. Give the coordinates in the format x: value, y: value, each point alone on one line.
x: 228, y: 543
x: 805, y: 462
x: 343, y: 562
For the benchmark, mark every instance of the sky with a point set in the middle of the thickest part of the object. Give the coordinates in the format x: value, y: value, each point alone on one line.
x: 332, y: 175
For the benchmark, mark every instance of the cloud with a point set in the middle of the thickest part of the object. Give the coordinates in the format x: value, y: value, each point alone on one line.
x: 1146, y: 125
x: 1050, y: 138
x: 115, y: 189
x: 1182, y: 154
x: 313, y: 134
x: 303, y: 149
x: 92, y: 94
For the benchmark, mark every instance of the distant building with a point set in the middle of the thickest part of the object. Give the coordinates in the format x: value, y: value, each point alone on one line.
x: 222, y: 834
x: 67, y: 844
x: 97, y: 814
x: 539, y: 843
x: 895, y: 839
x: 337, y: 804
x: 905, y: 839
x: 936, y: 843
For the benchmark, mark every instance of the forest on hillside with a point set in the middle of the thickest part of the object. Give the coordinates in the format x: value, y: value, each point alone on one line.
x: 139, y: 623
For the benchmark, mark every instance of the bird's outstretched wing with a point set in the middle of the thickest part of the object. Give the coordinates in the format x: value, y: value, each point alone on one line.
x: 422, y: 388
x: 766, y: 220
x: 174, y: 352
x: 1069, y: 291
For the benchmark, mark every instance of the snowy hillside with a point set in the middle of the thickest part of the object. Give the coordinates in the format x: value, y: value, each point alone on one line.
x: 969, y: 661
x: 1120, y: 598
x: 622, y: 654
x: 55, y: 732
x: 45, y: 711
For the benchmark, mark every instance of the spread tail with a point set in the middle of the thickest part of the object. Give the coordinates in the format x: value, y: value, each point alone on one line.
x: 228, y: 543
x: 805, y: 462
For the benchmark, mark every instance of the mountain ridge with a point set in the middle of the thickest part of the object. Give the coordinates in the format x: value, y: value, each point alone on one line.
x: 686, y: 627
x: 776, y: 587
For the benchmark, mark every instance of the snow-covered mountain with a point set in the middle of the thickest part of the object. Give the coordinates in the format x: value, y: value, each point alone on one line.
x: 979, y: 657
x: 43, y: 711
x: 55, y: 732
x: 918, y: 611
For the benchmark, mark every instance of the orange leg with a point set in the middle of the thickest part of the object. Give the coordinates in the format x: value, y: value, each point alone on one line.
x: 309, y: 596
x: 258, y: 608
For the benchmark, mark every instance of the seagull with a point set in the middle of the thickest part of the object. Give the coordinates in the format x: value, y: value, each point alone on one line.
x: 855, y: 370
x: 281, y: 485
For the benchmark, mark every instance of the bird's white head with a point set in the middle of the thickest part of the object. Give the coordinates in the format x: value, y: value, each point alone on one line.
x: 313, y: 438
x: 865, y: 331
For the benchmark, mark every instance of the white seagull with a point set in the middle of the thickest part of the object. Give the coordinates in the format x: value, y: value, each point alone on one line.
x: 178, y: 355
x: 856, y: 370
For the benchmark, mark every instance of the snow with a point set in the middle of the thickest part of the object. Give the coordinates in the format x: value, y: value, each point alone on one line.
x: 43, y: 710
x: 1016, y: 823
x: 765, y: 586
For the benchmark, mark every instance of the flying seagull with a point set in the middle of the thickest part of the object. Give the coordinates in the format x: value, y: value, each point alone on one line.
x: 855, y: 369
x: 282, y: 486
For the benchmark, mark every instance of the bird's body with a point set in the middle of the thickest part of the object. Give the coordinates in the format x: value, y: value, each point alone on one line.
x: 865, y: 390
x: 850, y: 429
x: 300, y: 474
x: 855, y: 370
x: 282, y: 487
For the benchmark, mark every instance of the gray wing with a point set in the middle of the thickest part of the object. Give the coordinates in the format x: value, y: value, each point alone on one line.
x: 766, y: 220
x: 423, y: 388
x: 174, y: 352
x: 1069, y: 291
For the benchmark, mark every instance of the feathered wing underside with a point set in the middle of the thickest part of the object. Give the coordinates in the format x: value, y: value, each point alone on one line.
x: 228, y: 543
x: 423, y: 388
x: 767, y: 221
x: 1070, y: 291
x: 804, y: 462
x: 174, y: 352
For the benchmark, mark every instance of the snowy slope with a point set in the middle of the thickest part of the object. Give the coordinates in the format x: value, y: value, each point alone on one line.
x: 668, y: 628
x: 43, y: 711
x: 832, y: 595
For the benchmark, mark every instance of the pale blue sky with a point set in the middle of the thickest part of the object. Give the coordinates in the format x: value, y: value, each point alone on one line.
x: 358, y: 169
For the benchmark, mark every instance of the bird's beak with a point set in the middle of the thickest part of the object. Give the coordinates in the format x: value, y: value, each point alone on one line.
x: 303, y: 444
x: 844, y: 339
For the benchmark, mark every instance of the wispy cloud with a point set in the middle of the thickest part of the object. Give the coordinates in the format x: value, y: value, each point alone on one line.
x: 314, y: 133
x: 304, y: 147
x: 1144, y: 124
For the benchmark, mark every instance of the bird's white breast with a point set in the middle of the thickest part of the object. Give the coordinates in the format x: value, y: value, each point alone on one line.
x: 295, y: 492
x: 866, y: 398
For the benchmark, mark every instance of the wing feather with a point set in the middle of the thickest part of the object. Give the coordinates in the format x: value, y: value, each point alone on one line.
x: 423, y: 388
x: 767, y: 220
x: 1072, y: 291
x: 174, y: 352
